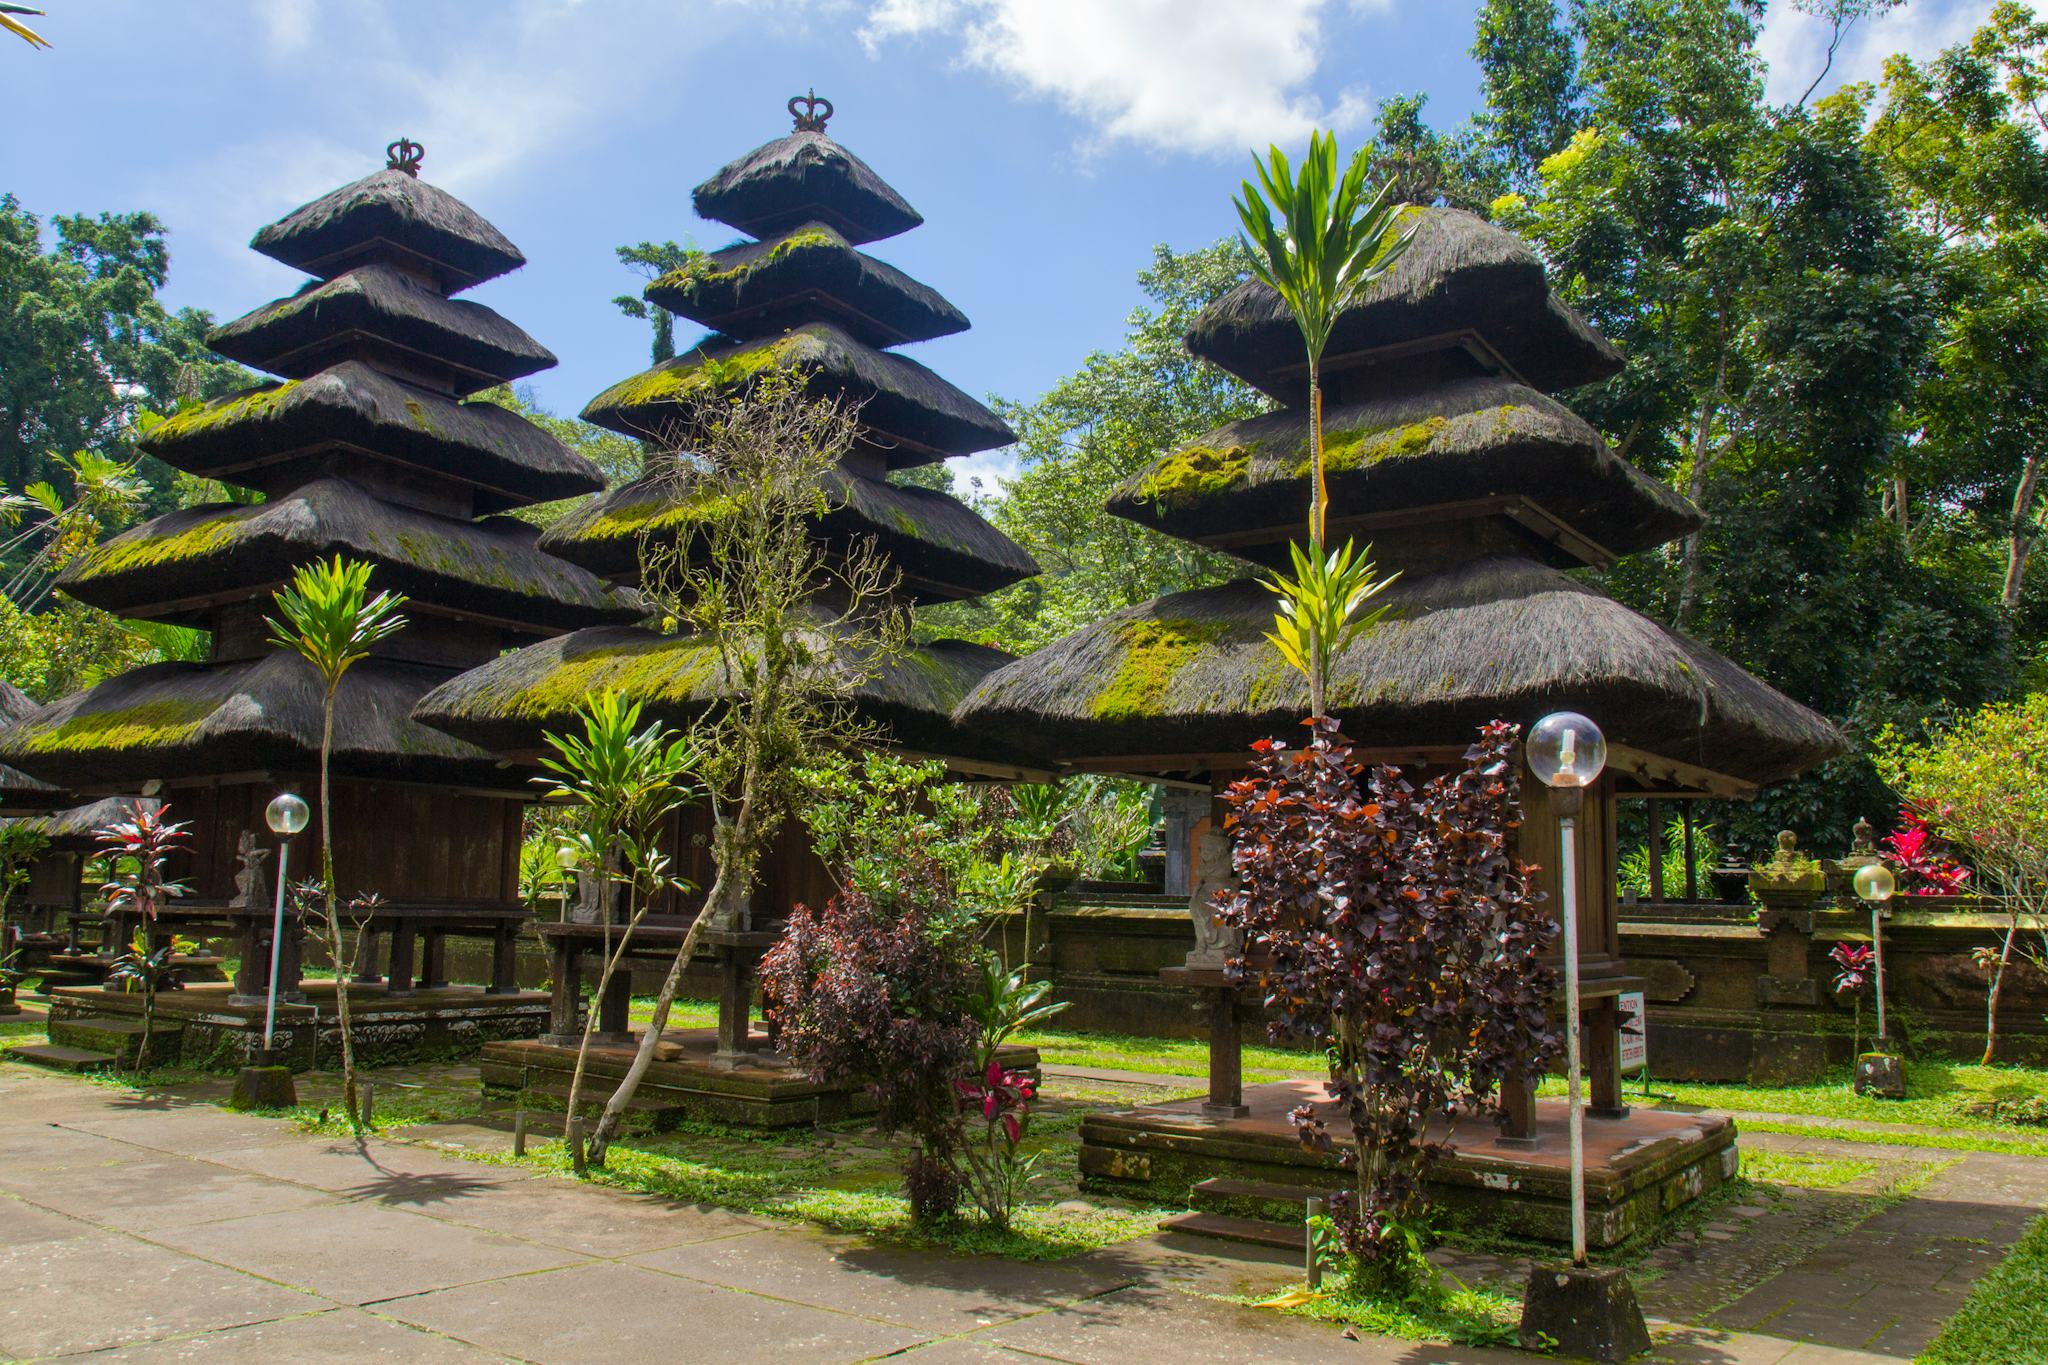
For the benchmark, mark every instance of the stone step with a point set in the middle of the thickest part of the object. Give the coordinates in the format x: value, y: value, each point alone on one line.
x: 121, y: 1037
x: 60, y: 1058
x: 1263, y: 1199
x: 1246, y: 1231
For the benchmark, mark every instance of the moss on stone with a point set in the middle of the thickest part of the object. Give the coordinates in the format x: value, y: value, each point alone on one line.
x: 1154, y: 651
x: 1194, y: 473
x: 669, y: 671
x: 128, y: 553
x: 146, y: 725
x: 697, y: 373
x: 699, y: 270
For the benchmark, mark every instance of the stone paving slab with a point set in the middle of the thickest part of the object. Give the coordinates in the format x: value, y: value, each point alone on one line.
x: 339, y: 1335
x: 607, y: 1312
x: 111, y: 1290
x: 591, y: 1220
x: 22, y: 1222
x: 936, y: 1294
x: 363, y: 1252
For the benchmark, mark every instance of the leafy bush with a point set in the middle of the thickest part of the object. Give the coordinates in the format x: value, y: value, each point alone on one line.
x: 1393, y: 927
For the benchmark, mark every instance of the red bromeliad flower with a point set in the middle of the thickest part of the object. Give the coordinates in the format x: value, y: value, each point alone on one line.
x: 1002, y: 1095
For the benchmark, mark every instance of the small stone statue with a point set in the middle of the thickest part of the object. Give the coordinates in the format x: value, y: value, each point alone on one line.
x: 1863, y: 839
x: 1215, y: 943
x: 252, y: 885
x: 590, y: 898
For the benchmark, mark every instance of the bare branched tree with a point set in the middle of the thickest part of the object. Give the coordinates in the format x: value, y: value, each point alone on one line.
x: 796, y: 629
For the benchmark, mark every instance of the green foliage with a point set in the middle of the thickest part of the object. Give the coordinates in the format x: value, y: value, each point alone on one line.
x: 1098, y: 427
x: 1632, y: 869
x: 651, y: 261
x: 625, y: 780
x: 1322, y: 608
x: 329, y: 618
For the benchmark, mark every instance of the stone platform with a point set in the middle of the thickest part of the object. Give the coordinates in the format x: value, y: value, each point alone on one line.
x: 685, y: 1082
x: 215, y: 1032
x: 1639, y: 1168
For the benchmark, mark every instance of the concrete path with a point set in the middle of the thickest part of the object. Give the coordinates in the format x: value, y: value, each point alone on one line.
x: 153, y: 1231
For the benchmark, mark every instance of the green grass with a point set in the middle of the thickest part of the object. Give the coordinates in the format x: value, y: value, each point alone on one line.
x: 2005, y: 1319
x: 1806, y: 1172
x: 1456, y: 1314
x: 1957, y: 1141
x: 1164, y: 1056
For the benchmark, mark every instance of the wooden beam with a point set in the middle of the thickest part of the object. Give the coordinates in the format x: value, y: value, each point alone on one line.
x: 1649, y: 773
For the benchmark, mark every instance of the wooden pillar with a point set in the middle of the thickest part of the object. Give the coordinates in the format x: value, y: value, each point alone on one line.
x: 565, y: 1006
x: 1517, y: 1113
x: 735, y: 1004
x: 434, y: 960
x: 1655, y: 811
x: 504, y: 960
x: 1692, y: 876
x: 366, y: 954
x: 1602, y: 1054
x: 615, y: 1010
x: 1226, y: 1056
x: 403, y: 938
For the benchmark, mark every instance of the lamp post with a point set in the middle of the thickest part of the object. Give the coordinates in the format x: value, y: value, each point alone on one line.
x: 1567, y: 753
x: 1576, y: 1309
x: 286, y: 815
x: 1881, y: 1072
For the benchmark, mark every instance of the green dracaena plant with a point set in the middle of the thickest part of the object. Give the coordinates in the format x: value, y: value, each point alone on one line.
x: 330, y: 620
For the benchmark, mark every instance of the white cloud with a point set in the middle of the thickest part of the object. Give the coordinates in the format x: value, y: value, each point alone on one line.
x: 1174, y: 75
x: 1796, y: 43
x: 287, y: 25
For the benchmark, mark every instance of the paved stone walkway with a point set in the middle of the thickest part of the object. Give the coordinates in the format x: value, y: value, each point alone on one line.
x: 154, y: 1231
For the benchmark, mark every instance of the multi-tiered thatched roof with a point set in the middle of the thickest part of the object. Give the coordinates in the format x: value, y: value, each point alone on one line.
x: 1443, y: 454
x: 365, y: 450
x: 802, y: 300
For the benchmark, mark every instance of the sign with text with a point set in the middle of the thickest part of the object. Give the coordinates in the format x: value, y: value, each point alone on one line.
x: 1635, y: 1038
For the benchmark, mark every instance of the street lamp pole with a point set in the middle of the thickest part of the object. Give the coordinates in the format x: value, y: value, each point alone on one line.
x: 286, y: 815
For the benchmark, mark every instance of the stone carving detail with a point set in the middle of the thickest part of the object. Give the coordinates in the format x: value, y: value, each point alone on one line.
x: 252, y: 885
x: 1214, y: 944
x: 1667, y: 982
x: 590, y: 889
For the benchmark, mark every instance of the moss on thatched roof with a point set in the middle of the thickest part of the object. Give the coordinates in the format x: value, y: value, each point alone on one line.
x: 802, y: 178
x: 1191, y: 674
x: 376, y: 306
x: 179, y: 722
x: 1468, y: 439
x: 386, y: 215
x: 945, y: 550
x: 508, y: 703
x: 76, y: 829
x: 19, y: 791
x: 1461, y: 274
x: 908, y: 413
x: 490, y: 568
x: 809, y: 273
x: 263, y: 437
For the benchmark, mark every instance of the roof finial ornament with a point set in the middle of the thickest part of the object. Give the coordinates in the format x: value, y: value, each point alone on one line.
x: 810, y: 120
x: 404, y: 155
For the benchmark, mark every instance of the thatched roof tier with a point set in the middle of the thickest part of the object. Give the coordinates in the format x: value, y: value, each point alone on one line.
x: 77, y: 829
x: 19, y: 791
x: 391, y: 216
x: 378, y: 311
x: 1456, y: 442
x: 507, y: 704
x: 1462, y: 282
x: 811, y: 272
x: 803, y: 178
x: 174, y: 722
x: 945, y: 550
x: 907, y: 413
x: 1192, y: 675
x: 271, y: 436
x: 184, y: 562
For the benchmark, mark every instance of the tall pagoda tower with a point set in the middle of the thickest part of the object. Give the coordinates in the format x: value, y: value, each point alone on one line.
x: 803, y: 299
x: 1447, y: 455
x: 364, y: 447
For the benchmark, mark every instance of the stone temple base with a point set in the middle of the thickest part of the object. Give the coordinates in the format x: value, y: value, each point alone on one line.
x: 1639, y: 1169
x: 447, y: 1023
x: 686, y: 1081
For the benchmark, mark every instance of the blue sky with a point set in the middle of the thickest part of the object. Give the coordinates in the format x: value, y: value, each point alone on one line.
x: 1048, y: 143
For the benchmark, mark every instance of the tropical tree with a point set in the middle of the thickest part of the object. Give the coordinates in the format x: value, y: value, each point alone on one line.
x: 1330, y: 246
x: 330, y: 620
x: 8, y: 10
x: 625, y: 781
x: 652, y: 260
x: 794, y: 632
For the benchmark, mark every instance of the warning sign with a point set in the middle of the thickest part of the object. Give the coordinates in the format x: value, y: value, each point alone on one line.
x: 1635, y: 1039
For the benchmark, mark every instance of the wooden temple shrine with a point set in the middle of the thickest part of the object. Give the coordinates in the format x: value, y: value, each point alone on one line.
x: 370, y: 444
x: 1447, y: 455
x: 799, y: 297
